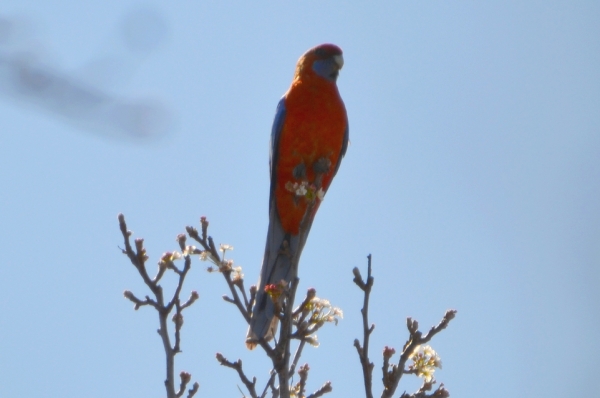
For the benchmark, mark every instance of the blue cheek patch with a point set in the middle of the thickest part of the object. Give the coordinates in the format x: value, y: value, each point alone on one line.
x: 326, y: 69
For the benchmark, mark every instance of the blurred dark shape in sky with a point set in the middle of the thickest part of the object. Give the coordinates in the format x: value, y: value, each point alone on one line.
x: 25, y: 76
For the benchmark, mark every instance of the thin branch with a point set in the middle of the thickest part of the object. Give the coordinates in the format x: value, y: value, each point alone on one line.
x: 240, y: 285
x: 208, y: 244
x: 192, y: 391
x: 178, y: 321
x: 139, y: 303
x: 282, y: 358
x: 237, y: 365
x: 303, y: 373
x: 193, y: 297
x: 393, y: 376
x: 182, y: 275
x: 185, y: 379
x: 363, y: 351
x: 236, y: 298
x: 448, y: 316
x: 440, y: 392
x: 138, y: 259
x: 159, y: 274
x: 270, y: 383
x: 322, y: 391
x: 296, y: 358
x: 310, y: 294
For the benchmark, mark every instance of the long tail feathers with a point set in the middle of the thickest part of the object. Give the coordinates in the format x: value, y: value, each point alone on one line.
x: 280, y: 262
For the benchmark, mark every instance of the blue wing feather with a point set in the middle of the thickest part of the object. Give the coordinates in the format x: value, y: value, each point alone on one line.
x: 276, y: 266
x: 274, y: 148
x: 344, y: 148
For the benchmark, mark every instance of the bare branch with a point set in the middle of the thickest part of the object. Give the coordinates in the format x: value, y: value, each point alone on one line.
x: 303, y: 373
x: 391, y: 372
x: 322, y: 391
x: 281, y: 359
x: 363, y: 350
x: 237, y: 365
x: 448, y: 316
x: 270, y: 384
x: 181, y: 238
x: 296, y: 358
x: 138, y: 259
x: 159, y: 274
x: 193, y: 297
x: 393, y: 376
x: 440, y: 392
x: 310, y: 294
x: 236, y: 298
x: 192, y: 391
x: 208, y: 244
x: 185, y: 379
x: 139, y: 303
x: 240, y: 285
x: 182, y: 275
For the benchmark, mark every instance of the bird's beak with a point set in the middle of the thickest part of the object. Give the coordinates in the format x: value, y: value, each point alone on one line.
x: 339, y: 60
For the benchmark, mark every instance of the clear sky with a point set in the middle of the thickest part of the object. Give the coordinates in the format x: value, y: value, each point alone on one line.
x: 473, y: 177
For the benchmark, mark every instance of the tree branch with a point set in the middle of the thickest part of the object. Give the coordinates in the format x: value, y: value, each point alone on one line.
x: 322, y: 391
x: 393, y: 376
x: 208, y: 245
x: 363, y: 351
x: 250, y: 385
x: 440, y: 392
x: 138, y: 259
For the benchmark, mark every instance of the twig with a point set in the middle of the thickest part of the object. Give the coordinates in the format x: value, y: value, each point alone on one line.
x: 237, y: 365
x: 393, y: 373
x: 296, y: 358
x: 185, y: 379
x: 240, y: 285
x: 139, y: 303
x: 363, y: 351
x: 303, y: 373
x: 270, y: 384
x: 192, y: 391
x: 208, y: 244
x: 322, y: 391
x: 138, y: 259
x: 244, y: 307
x: 440, y: 392
x: 393, y: 376
x: 281, y: 359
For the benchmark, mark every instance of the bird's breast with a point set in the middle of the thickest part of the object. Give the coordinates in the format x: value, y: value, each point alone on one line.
x: 311, y: 138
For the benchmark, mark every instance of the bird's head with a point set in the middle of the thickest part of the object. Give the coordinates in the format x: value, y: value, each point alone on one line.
x: 324, y: 61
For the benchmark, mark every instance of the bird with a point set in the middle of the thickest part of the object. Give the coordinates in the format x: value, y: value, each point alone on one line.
x: 309, y: 138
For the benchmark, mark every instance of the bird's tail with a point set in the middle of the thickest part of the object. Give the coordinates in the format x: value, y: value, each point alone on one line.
x: 280, y: 263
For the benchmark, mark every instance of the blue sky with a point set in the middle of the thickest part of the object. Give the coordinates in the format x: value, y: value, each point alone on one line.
x: 472, y: 177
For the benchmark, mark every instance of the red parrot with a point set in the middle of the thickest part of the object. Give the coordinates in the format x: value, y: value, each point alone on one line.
x: 308, y: 140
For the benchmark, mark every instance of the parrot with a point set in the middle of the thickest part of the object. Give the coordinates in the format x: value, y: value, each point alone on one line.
x: 309, y: 138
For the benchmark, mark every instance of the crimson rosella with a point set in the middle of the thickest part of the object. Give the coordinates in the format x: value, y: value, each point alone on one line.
x: 308, y: 140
